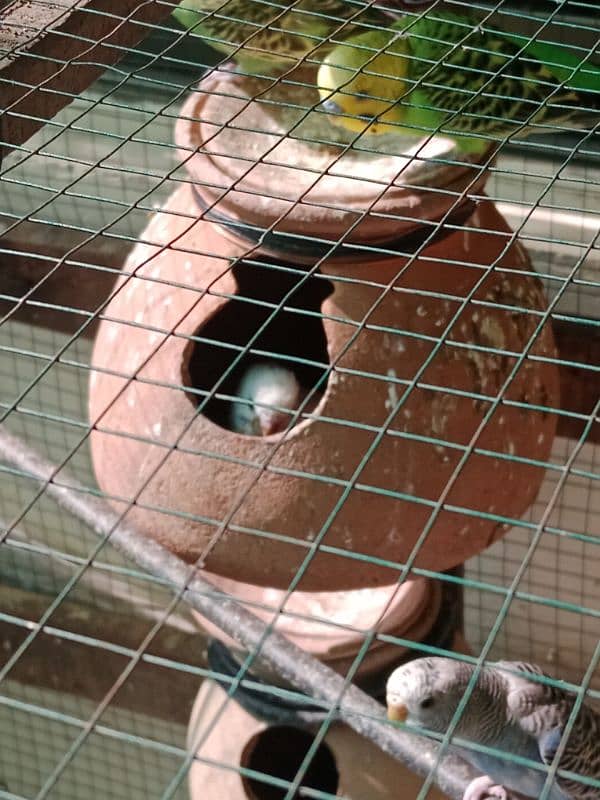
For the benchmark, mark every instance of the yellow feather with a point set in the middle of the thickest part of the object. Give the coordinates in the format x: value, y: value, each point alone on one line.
x: 360, y: 83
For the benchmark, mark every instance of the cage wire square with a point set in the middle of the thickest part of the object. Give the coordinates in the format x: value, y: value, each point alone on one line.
x: 100, y: 665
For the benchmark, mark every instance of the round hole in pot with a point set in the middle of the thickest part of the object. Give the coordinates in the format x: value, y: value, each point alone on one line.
x: 279, y: 751
x: 291, y: 337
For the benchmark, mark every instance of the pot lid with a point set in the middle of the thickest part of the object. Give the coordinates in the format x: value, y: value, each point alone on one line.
x: 267, y: 160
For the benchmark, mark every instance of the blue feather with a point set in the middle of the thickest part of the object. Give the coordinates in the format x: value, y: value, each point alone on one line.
x: 548, y: 743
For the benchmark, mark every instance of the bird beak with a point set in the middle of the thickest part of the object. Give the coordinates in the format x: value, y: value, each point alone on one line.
x: 397, y: 713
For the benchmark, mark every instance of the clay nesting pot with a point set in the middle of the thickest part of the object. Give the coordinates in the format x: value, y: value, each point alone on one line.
x: 228, y: 742
x: 417, y: 337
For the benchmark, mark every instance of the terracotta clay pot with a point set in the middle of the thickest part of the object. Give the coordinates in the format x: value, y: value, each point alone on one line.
x: 428, y: 327
x: 227, y: 740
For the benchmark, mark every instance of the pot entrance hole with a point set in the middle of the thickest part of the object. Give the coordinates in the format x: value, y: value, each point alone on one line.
x: 293, y: 353
x: 279, y: 751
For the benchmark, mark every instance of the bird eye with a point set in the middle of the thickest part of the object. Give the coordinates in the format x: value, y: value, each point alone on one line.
x: 427, y: 702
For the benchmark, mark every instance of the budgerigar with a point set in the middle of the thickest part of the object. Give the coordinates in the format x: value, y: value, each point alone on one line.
x: 450, y: 73
x: 506, y: 711
x: 271, y: 389
x: 259, y: 35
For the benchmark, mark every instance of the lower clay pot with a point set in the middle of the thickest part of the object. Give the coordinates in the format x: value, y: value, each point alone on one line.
x: 232, y: 741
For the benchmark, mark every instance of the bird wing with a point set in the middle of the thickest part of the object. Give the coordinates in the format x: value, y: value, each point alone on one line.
x: 487, y: 82
x: 543, y: 712
x: 525, y: 696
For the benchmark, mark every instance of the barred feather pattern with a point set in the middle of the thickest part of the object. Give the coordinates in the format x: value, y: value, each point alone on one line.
x: 488, y: 85
x: 541, y: 709
x: 582, y: 755
x: 271, y: 30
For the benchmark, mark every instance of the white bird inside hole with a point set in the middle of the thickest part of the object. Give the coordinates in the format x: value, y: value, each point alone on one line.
x: 273, y: 392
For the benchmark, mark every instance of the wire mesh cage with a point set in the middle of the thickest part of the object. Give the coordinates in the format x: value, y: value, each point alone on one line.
x: 300, y: 380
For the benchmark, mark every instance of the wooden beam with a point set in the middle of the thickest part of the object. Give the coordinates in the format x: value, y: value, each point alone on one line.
x: 58, y: 663
x: 579, y: 387
x: 65, y: 292
x: 51, y: 51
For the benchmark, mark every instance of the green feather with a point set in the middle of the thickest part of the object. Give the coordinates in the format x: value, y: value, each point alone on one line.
x: 452, y: 74
x: 479, y: 80
x: 255, y: 31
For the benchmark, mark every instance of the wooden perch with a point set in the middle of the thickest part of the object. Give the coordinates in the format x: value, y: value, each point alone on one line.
x: 52, y: 51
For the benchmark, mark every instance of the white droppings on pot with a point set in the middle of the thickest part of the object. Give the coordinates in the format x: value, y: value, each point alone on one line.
x: 395, y: 535
x: 348, y: 537
x: 392, y: 393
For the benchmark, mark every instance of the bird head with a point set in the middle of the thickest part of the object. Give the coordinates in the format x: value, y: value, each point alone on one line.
x: 426, y: 692
x: 361, y: 81
x: 271, y: 394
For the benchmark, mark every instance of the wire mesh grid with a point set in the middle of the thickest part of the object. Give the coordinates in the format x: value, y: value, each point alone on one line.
x: 85, y: 630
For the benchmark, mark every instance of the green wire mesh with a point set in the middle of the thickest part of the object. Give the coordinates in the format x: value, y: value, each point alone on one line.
x: 92, y: 176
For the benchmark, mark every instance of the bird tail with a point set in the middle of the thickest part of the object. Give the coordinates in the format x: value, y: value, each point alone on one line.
x: 569, y: 64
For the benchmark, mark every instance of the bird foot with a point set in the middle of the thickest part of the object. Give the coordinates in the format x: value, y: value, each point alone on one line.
x: 483, y: 788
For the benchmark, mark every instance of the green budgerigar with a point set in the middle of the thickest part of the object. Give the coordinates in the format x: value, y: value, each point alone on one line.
x: 450, y: 74
x: 261, y: 35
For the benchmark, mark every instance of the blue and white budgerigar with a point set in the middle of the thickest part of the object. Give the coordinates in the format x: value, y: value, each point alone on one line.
x: 507, y: 711
x: 452, y: 74
x: 274, y: 393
